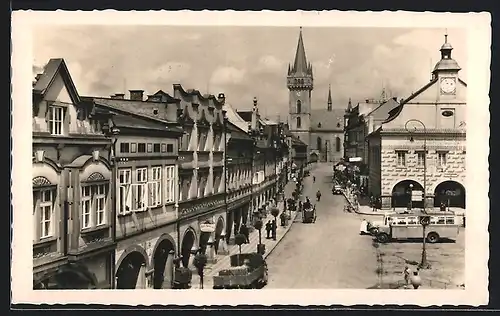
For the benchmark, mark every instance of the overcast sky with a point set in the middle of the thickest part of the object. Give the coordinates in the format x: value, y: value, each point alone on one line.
x: 244, y: 62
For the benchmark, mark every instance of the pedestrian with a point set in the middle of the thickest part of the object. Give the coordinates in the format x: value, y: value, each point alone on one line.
x: 268, y: 229
x: 244, y: 231
x: 314, y: 179
x: 274, y: 227
x: 406, y: 273
x: 318, y: 195
x: 363, y: 229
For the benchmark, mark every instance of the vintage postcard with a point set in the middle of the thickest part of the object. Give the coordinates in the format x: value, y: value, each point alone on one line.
x: 250, y: 158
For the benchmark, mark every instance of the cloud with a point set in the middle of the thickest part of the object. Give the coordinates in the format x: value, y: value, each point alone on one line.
x: 227, y: 76
x: 244, y: 62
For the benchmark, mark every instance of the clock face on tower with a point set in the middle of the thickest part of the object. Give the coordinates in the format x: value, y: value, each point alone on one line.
x: 448, y: 85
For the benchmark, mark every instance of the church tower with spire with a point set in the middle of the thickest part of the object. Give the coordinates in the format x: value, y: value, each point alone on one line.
x: 300, y: 86
x: 329, y: 103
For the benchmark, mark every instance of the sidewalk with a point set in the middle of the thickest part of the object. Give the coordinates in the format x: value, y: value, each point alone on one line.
x: 223, y: 261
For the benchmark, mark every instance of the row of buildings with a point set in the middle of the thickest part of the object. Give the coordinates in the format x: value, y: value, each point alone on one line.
x: 413, y: 150
x: 125, y: 187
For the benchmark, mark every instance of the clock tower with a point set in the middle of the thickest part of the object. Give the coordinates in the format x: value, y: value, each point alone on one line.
x: 300, y: 86
x: 446, y: 73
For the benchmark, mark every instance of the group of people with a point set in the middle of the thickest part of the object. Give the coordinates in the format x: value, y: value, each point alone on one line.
x: 271, y: 229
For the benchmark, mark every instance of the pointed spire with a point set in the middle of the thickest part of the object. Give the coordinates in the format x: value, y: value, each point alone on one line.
x: 349, y: 105
x: 329, y: 97
x: 300, y: 64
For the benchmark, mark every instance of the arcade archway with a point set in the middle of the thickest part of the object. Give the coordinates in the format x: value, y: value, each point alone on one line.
x: 313, y: 157
x: 402, y: 191
x: 163, y: 264
x: 187, y: 244
x: 67, y: 278
x: 128, y: 271
x: 450, y: 193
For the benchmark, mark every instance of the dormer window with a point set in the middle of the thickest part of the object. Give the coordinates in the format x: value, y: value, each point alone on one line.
x: 56, y: 120
x: 155, y: 111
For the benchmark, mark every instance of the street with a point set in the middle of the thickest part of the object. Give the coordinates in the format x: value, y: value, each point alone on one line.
x: 327, y: 254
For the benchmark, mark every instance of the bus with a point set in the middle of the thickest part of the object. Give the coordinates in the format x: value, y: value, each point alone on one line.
x: 439, y: 226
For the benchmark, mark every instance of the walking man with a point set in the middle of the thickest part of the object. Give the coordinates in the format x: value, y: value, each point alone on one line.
x: 274, y: 227
x: 406, y: 274
x: 268, y: 229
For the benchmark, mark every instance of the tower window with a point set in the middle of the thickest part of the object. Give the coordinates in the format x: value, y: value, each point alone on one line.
x: 318, y: 143
x: 337, y: 144
x: 299, y: 106
x: 319, y: 124
x: 298, y: 122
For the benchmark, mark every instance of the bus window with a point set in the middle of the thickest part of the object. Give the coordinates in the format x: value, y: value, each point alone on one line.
x: 440, y: 220
x: 401, y: 221
x: 433, y: 220
x: 450, y: 220
x: 412, y: 221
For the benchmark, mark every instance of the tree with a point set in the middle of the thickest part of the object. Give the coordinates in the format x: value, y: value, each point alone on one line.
x: 275, y: 212
x: 239, y: 239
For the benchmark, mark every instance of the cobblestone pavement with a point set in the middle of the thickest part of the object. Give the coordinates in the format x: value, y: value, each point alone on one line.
x: 447, y: 262
x: 223, y: 261
x: 327, y: 254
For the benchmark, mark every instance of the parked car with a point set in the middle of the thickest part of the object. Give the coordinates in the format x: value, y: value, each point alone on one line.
x: 337, y: 189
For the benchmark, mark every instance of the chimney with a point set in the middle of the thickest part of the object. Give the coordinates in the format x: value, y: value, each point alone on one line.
x: 221, y: 98
x: 253, y: 123
x: 136, y: 95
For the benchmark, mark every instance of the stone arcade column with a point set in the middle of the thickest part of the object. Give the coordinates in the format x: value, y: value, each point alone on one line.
x: 222, y: 248
x: 141, y: 278
x: 194, y: 250
x: 168, y: 272
x: 211, y: 256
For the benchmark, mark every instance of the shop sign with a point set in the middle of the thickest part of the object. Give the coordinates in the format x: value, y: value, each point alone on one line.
x: 207, y: 227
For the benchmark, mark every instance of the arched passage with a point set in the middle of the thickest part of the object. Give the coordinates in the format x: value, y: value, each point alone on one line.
x: 163, y: 263
x: 187, y: 244
x: 68, y: 277
x: 401, y: 194
x: 313, y: 157
x: 219, y: 228
x: 450, y: 193
x: 127, y: 274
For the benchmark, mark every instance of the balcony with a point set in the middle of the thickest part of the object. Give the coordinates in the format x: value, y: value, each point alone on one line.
x: 203, y: 159
x: 186, y: 160
x: 196, y: 206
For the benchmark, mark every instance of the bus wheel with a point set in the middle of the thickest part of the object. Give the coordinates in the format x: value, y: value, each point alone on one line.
x: 382, y: 238
x: 433, y: 237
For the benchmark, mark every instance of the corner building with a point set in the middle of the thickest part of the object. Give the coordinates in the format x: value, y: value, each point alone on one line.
x: 397, y: 156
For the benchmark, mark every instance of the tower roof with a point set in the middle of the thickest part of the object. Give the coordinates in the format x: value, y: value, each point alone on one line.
x: 300, y: 65
x: 329, y: 94
x: 446, y: 62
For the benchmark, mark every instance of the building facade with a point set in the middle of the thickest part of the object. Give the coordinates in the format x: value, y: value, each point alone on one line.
x: 425, y: 134
x: 321, y: 129
x: 73, y: 244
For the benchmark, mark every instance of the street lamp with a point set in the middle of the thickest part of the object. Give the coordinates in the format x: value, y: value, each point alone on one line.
x: 424, y: 264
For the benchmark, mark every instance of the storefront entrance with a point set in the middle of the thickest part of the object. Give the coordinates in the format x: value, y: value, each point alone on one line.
x: 401, y: 194
x: 450, y: 194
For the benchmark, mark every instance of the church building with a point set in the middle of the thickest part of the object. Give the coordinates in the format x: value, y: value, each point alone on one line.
x: 321, y: 129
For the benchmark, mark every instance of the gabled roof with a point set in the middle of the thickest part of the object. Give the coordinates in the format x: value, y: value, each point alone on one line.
x: 233, y: 117
x: 395, y: 112
x: 168, y: 97
x: 324, y: 120
x: 237, y: 133
x: 55, y: 66
x: 297, y: 142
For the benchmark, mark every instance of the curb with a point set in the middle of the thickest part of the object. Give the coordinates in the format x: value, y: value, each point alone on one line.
x: 292, y: 220
x: 358, y: 212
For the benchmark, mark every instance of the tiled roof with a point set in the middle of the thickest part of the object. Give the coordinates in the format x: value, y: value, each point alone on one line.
x: 322, y: 119
x: 50, y: 71
x: 234, y: 117
x: 142, y: 108
x: 236, y: 132
x: 122, y: 120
